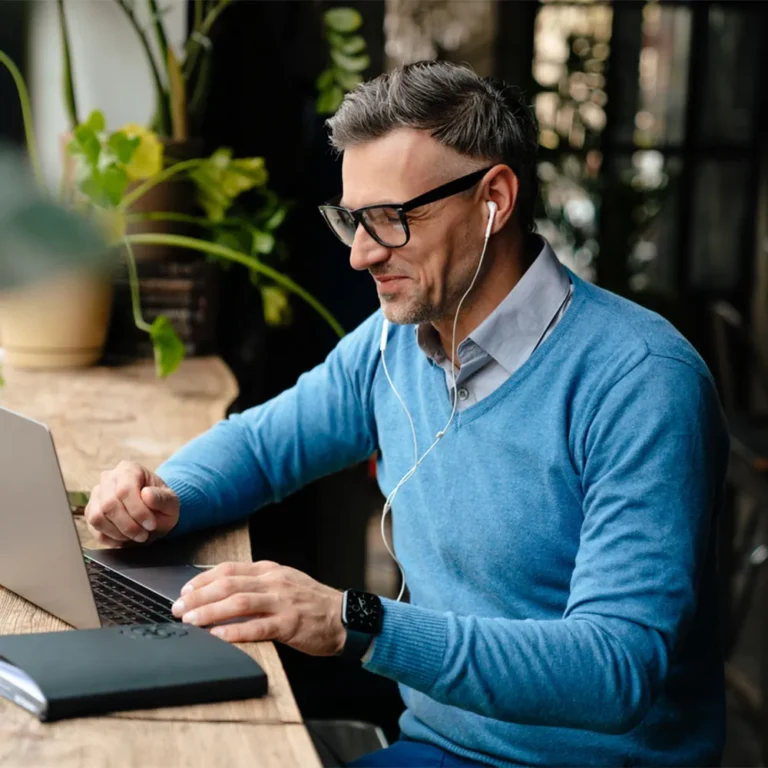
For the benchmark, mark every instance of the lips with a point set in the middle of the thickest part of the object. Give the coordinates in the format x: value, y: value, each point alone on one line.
x: 388, y: 278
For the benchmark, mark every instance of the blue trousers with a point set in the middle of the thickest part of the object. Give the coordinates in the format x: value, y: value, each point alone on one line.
x: 412, y: 754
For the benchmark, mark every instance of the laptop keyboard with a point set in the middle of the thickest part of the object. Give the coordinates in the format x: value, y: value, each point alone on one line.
x: 122, y: 601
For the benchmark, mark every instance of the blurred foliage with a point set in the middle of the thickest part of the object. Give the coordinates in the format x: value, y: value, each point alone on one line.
x: 348, y: 58
x: 39, y: 237
x: 599, y: 217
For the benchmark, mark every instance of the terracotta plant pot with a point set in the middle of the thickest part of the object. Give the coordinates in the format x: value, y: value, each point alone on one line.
x: 59, y: 323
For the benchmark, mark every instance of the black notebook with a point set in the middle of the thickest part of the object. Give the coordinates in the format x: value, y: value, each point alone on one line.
x: 57, y: 675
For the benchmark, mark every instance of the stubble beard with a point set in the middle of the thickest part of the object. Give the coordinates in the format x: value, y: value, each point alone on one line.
x: 419, y: 309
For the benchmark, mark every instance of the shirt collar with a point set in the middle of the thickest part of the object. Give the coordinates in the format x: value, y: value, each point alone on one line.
x: 514, y: 329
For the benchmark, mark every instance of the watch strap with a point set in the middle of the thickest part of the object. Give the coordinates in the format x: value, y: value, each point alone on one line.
x: 356, y: 645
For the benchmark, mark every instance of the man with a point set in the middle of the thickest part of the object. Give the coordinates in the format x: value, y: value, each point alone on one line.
x: 558, y: 541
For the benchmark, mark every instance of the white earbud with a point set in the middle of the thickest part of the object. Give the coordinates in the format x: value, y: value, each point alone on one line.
x: 384, y: 334
x: 492, y: 207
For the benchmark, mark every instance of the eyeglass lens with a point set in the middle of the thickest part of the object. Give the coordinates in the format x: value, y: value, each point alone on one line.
x: 384, y: 222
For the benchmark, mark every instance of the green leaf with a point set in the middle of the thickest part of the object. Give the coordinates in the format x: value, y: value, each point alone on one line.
x: 2, y: 380
x: 115, y: 181
x: 169, y: 349
x: 347, y: 80
x: 343, y: 19
x: 96, y: 121
x: 324, y: 80
x: 220, y: 179
x: 352, y: 45
x: 276, y: 219
x: 263, y: 242
x: 350, y: 63
x: 277, y: 307
x: 122, y: 147
x: 88, y: 143
x: 335, y: 39
x: 329, y: 101
x: 229, y: 240
x: 93, y: 187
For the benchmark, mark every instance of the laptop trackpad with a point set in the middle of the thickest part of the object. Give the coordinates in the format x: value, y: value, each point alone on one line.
x: 165, y: 580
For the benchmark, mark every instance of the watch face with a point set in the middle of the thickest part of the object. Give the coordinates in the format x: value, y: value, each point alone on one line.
x: 362, y: 612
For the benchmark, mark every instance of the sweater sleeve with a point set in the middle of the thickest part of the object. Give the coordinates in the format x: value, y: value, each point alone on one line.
x: 320, y: 425
x: 653, y: 462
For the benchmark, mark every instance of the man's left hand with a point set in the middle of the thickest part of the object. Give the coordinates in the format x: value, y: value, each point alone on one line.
x: 283, y: 603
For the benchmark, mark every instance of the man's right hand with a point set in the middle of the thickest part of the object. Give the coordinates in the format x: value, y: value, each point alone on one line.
x: 131, y: 504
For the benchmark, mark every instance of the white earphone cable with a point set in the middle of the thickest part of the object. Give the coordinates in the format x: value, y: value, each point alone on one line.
x: 408, y: 475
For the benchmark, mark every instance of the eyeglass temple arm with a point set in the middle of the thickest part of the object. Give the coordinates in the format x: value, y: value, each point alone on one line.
x: 446, y: 190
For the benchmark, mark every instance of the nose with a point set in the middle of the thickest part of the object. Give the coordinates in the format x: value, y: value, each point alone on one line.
x: 366, y: 252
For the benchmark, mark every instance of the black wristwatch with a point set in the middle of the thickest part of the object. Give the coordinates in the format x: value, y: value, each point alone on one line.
x: 362, y: 615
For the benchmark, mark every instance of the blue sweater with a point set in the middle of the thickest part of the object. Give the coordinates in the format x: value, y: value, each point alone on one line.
x: 559, y: 542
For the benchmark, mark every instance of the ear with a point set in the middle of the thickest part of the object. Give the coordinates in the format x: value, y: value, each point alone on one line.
x: 501, y: 187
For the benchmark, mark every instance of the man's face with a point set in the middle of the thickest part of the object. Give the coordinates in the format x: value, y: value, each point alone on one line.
x: 424, y: 280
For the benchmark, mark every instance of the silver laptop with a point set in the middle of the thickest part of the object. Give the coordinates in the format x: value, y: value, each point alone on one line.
x: 40, y: 555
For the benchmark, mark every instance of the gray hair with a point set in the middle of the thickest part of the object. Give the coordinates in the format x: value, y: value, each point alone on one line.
x: 479, y: 117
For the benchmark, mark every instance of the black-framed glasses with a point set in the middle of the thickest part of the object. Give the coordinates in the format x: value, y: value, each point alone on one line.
x: 387, y: 224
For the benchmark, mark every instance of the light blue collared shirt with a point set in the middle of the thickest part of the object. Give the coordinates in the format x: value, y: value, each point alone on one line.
x: 509, y: 335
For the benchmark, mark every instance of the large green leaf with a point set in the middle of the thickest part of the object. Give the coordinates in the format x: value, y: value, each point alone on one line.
x: 350, y: 63
x: 169, y: 349
x: 343, y: 19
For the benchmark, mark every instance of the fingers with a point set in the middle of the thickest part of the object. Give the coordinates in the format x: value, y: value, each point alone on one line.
x: 223, y: 602
x: 254, y: 631
x: 161, y: 501
x: 103, y: 539
x: 229, y: 569
x: 98, y: 523
x: 117, y: 508
x: 116, y: 512
x: 250, y: 593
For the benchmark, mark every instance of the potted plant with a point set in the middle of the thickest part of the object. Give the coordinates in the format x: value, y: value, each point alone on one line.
x: 39, y: 238
x: 115, y: 177
x: 106, y: 162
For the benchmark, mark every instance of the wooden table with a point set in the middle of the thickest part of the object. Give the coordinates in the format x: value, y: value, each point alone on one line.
x: 99, y: 416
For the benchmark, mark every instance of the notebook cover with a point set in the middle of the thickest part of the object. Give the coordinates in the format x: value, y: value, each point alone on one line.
x: 94, y: 671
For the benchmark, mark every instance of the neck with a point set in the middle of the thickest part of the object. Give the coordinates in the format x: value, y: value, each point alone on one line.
x: 505, y: 262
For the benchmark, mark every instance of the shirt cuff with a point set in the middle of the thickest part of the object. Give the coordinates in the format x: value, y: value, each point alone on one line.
x: 411, y: 645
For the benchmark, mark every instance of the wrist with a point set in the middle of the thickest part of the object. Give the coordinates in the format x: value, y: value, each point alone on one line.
x: 340, y: 639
